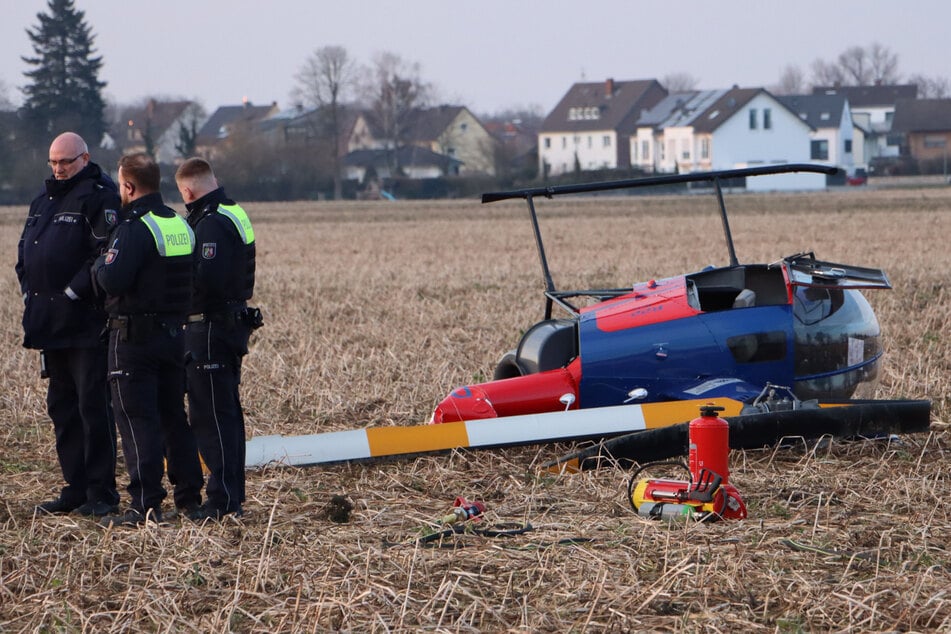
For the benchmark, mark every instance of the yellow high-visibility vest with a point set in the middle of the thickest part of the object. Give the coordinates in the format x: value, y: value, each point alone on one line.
x: 172, y: 235
x: 241, y: 221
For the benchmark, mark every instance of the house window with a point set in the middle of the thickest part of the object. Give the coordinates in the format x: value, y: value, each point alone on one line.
x: 564, y: 142
x: 752, y: 118
x: 704, y: 148
x: 767, y: 119
x: 819, y: 150
x: 935, y: 142
x: 547, y: 142
x: 590, y: 141
x: 684, y: 149
x: 464, y: 126
x: 848, y: 146
x: 606, y: 140
x: 586, y: 113
x: 645, y: 150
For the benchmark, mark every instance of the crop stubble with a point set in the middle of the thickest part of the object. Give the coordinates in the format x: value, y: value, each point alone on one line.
x: 375, y: 310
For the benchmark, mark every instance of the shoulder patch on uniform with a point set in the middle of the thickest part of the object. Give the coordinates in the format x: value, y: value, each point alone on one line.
x: 209, y: 250
x: 112, y: 216
x: 111, y: 255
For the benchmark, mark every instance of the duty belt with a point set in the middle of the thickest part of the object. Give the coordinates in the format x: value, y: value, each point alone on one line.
x: 227, y: 316
x: 251, y: 317
x: 137, y: 328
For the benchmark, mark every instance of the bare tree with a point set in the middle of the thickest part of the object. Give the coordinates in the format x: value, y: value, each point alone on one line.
x: 325, y: 81
x: 858, y: 66
x: 394, y: 92
x: 5, y: 103
x: 931, y: 87
x: 855, y: 66
x: 884, y: 64
x: 679, y: 82
x: 191, y: 120
x: 826, y: 74
x: 792, y: 81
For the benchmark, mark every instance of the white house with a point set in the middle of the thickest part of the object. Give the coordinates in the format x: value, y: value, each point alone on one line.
x: 156, y: 126
x: 725, y: 129
x: 873, y: 108
x: 591, y: 126
x: 833, y: 136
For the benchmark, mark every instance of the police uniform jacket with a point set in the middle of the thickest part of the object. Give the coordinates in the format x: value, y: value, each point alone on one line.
x: 136, y: 277
x: 224, y: 254
x: 66, y: 229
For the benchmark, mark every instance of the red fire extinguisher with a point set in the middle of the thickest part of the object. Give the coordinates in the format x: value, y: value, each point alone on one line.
x: 708, y: 494
x: 709, y: 444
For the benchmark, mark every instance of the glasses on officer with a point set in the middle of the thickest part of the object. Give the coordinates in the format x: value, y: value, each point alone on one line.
x: 64, y: 162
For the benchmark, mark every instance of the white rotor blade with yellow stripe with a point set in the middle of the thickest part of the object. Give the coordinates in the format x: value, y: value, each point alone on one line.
x: 527, y: 429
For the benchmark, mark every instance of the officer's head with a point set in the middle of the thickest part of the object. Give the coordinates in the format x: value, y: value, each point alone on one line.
x: 138, y: 176
x: 68, y: 155
x: 195, y: 178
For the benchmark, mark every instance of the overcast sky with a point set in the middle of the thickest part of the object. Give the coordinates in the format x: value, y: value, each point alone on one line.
x: 489, y: 55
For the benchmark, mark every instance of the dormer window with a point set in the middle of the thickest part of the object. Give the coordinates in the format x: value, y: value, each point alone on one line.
x: 584, y: 113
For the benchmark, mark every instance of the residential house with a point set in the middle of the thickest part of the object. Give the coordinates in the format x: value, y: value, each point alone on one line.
x: 415, y: 162
x: 308, y: 126
x: 157, y: 127
x: 667, y: 127
x: 873, y: 108
x: 833, y: 135
x: 455, y: 132
x: 226, y: 120
x: 924, y: 126
x: 590, y: 128
x: 724, y: 129
x: 516, y: 146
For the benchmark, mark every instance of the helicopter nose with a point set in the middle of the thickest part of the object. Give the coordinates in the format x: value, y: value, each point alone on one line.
x: 465, y: 403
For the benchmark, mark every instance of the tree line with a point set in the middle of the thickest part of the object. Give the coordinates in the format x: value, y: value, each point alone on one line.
x: 63, y: 91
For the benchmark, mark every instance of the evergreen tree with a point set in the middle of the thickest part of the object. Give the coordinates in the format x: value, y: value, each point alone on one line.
x: 65, y: 92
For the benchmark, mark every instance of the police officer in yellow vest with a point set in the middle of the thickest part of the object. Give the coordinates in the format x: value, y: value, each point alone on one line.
x: 217, y: 332
x: 147, y: 277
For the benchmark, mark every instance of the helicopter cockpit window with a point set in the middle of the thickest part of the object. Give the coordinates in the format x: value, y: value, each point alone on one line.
x: 812, y: 305
x: 758, y: 347
x: 837, y: 343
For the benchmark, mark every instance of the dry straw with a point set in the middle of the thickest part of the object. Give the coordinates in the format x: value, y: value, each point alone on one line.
x: 374, y: 311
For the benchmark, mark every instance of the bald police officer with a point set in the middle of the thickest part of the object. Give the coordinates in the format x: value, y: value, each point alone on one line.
x: 147, y: 276
x: 65, y: 231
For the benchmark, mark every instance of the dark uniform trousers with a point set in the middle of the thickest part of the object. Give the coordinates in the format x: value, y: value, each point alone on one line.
x: 78, y: 402
x: 144, y: 371
x: 215, y: 347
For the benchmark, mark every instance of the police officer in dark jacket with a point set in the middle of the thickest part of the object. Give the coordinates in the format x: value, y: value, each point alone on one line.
x: 65, y: 231
x: 217, y: 333
x: 147, y: 276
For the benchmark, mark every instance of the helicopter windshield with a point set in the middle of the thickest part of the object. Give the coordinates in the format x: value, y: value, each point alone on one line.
x: 837, y: 343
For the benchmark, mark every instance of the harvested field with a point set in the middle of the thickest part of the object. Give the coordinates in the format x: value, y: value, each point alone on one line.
x: 374, y: 311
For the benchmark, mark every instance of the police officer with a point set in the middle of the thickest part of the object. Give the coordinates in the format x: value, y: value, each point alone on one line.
x: 65, y: 231
x: 217, y: 332
x: 147, y: 276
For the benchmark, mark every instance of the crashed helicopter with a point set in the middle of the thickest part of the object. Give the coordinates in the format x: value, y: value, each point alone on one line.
x: 785, y: 348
